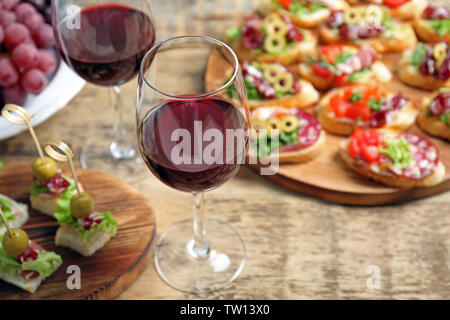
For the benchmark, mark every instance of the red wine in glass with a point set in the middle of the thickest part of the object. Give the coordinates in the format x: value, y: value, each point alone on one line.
x: 109, y: 44
x: 157, y: 143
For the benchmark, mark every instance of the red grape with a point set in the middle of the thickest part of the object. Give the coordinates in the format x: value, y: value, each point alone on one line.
x: 15, y: 94
x: 2, y: 34
x: 24, y: 56
x: 44, y: 36
x: 46, y: 62
x: 33, y: 22
x: 8, y: 73
x: 15, y: 34
x: 9, y: 4
x: 34, y: 81
x: 7, y: 18
x: 23, y: 10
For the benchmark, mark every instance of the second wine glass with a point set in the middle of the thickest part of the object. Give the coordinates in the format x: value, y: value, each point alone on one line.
x: 104, y: 42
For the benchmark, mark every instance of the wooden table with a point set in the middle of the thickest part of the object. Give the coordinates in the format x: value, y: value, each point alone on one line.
x: 297, y: 247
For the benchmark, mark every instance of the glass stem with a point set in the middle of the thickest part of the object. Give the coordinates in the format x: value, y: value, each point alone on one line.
x: 121, y: 147
x: 200, y: 247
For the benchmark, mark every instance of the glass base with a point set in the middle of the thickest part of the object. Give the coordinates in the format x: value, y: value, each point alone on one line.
x: 102, y: 155
x: 178, y: 264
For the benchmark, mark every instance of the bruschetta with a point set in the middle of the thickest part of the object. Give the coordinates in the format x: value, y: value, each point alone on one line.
x: 271, y: 84
x: 271, y: 39
x: 368, y: 25
x: 49, y: 186
x: 427, y: 66
x: 434, y: 117
x: 25, y: 263
x: 15, y: 213
x: 81, y: 228
x: 305, y: 13
x: 343, y: 110
x: 402, y: 9
x: 395, y: 158
x: 433, y: 25
x: 292, y: 135
x: 340, y: 65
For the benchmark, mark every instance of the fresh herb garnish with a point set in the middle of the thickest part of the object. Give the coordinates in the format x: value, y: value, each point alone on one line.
x: 375, y: 105
x: 233, y: 34
x: 399, y: 151
x: 358, y: 75
x: 356, y: 96
x: 418, y: 55
x: 444, y: 117
x: 442, y: 26
x: 342, y: 57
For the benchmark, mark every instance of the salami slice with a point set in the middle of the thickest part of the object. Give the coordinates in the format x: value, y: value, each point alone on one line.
x: 309, y: 133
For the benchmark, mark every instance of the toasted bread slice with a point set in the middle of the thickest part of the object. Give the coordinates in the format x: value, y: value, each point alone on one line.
x: 403, y: 38
x: 391, y: 180
x: 426, y: 32
x: 300, y: 156
x: 28, y: 285
x: 379, y: 73
x: 300, y: 51
x: 409, y: 75
x: 430, y: 124
x: 20, y: 212
x: 307, y: 97
x: 67, y: 236
x: 406, y: 11
x: 402, y: 120
x: 46, y: 202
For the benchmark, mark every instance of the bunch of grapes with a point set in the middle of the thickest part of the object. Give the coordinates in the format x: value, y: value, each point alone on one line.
x: 25, y: 37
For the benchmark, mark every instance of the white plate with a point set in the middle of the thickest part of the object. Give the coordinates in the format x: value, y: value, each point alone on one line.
x: 63, y: 87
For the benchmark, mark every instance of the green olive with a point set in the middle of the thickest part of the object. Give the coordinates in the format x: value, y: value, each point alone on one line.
x: 43, y: 171
x: 17, y: 243
x: 81, y: 205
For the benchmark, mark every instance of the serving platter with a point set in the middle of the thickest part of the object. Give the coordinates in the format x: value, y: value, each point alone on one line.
x: 327, y: 177
x: 111, y: 270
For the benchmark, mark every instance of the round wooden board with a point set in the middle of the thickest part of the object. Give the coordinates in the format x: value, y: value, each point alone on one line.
x: 111, y: 270
x: 327, y: 177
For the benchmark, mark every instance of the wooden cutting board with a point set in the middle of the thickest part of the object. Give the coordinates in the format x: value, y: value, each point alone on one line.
x: 327, y: 177
x: 111, y: 270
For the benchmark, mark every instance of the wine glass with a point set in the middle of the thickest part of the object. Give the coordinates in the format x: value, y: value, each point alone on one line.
x: 193, y: 136
x: 104, y: 43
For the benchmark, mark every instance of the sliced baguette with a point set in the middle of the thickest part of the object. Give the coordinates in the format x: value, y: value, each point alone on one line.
x: 409, y: 75
x: 300, y: 156
x: 426, y: 32
x: 67, y: 236
x: 403, y: 119
x: 20, y: 218
x: 432, y: 125
x: 307, y: 97
x: 379, y: 73
x: 391, y: 180
x: 46, y: 202
x: 403, y: 39
x: 301, y: 51
x: 17, y: 280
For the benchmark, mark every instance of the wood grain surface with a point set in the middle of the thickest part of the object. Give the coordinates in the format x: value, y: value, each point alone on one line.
x: 297, y: 247
x: 109, y: 271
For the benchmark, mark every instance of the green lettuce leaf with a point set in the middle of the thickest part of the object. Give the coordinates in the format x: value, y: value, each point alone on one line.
x: 62, y: 213
x: 6, y: 207
x: 37, y: 189
x: 342, y: 57
x: 108, y: 225
x: 358, y: 75
x: 233, y: 34
x: 46, y: 263
x: 418, y: 55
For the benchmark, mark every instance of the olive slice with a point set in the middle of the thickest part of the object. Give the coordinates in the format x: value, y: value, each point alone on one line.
x: 274, y: 43
x: 439, y: 53
x: 373, y: 14
x: 285, y: 83
x: 275, y: 124
x: 353, y: 16
x: 273, y: 73
x: 43, y: 171
x: 277, y: 28
x: 289, y: 124
x: 16, y: 243
x: 273, y: 17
